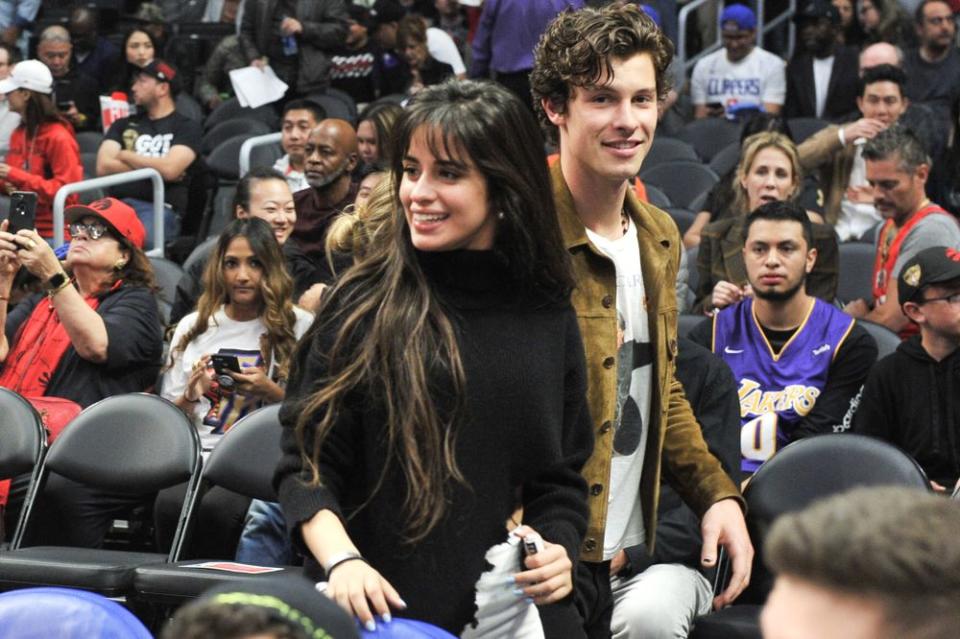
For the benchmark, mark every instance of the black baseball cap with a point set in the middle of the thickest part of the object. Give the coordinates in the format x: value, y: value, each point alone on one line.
x: 163, y: 72
x: 815, y: 9
x: 384, y: 11
x: 930, y: 266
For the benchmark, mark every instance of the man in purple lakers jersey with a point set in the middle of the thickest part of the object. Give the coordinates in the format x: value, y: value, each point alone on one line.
x: 799, y: 362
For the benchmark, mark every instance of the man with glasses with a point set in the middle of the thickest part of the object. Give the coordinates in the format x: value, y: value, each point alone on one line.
x: 933, y: 68
x: 912, y: 397
x: 897, y: 167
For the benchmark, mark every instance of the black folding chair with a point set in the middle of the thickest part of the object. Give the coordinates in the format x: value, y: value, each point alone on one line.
x: 23, y: 442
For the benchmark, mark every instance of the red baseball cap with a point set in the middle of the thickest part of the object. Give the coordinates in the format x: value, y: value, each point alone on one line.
x: 120, y: 217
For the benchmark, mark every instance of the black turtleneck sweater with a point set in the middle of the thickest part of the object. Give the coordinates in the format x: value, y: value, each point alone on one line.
x: 523, y: 434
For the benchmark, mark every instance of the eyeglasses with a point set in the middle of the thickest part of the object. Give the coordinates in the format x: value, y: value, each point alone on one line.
x: 953, y: 299
x: 93, y: 230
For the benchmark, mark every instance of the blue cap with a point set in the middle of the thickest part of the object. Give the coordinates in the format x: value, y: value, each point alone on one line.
x: 738, y: 16
x: 653, y: 13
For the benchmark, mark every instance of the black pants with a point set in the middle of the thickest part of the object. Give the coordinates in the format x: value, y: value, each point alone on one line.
x: 594, y: 598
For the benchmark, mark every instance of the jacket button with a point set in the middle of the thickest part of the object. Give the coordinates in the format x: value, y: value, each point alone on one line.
x: 590, y: 544
x: 605, y: 427
x: 609, y: 362
x: 607, y: 301
x: 596, y: 489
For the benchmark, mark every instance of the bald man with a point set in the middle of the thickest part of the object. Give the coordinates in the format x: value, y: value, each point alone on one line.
x: 880, y: 53
x: 75, y: 94
x: 330, y: 155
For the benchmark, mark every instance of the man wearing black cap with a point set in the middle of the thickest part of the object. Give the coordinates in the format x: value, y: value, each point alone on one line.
x: 822, y: 77
x: 157, y: 138
x: 912, y: 397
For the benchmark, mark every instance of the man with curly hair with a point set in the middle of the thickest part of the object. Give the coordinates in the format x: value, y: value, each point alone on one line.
x: 598, y: 77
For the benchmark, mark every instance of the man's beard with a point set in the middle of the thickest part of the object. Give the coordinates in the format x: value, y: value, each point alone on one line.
x: 780, y: 296
x: 329, y: 178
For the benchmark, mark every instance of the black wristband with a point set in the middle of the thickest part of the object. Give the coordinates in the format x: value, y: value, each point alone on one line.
x: 341, y: 561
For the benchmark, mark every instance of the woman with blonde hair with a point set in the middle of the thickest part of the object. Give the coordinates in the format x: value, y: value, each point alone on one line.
x: 769, y: 170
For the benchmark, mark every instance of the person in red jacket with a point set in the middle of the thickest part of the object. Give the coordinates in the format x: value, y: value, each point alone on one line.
x: 43, y: 152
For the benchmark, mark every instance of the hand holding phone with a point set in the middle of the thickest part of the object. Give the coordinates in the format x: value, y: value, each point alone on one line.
x: 23, y: 211
x: 222, y: 366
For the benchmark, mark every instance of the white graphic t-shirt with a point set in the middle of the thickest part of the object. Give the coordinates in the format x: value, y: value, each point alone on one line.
x: 759, y: 77
x: 624, y: 526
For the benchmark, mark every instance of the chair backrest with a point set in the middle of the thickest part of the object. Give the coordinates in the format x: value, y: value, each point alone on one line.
x: 66, y: 613
x: 89, y: 141
x: 813, y: 468
x: 803, y: 128
x: 230, y: 109
x: 693, y: 274
x: 265, y: 155
x: 887, y: 340
x: 22, y: 437
x: 686, y: 323
x: 656, y: 196
x: 726, y: 159
x: 682, y: 180
x: 224, y: 160
x: 856, y: 271
x: 243, y: 461
x: 231, y: 128
x: 682, y: 217
x: 167, y: 274
x: 666, y: 149
x: 710, y: 135
x: 188, y: 107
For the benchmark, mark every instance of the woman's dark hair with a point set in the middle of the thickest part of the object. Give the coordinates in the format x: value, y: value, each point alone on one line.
x: 765, y: 122
x: 391, y: 334
x: 138, y: 271
x: 411, y: 28
x: 38, y: 110
x: 130, y: 70
x: 383, y: 116
x: 241, y: 196
x: 276, y: 291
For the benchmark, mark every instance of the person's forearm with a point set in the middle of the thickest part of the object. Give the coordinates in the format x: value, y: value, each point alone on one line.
x: 111, y: 166
x: 326, y: 537
x: 84, y: 326
x: 162, y: 165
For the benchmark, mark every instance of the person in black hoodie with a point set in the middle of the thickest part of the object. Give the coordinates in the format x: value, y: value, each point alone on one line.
x: 443, y: 384
x: 912, y: 397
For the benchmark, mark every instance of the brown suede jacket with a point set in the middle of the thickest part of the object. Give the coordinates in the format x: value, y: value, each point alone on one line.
x: 675, y: 446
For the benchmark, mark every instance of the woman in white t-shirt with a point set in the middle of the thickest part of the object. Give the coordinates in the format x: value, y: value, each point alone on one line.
x: 245, y: 312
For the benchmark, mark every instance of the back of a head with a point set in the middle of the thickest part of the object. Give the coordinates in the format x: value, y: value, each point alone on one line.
x: 898, y: 547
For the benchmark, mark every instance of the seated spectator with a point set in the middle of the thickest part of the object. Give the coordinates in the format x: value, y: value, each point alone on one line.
x: 799, y: 362
x: 741, y: 73
x: 299, y: 118
x: 246, y: 310
x: 43, y: 154
x: 214, y: 85
x: 872, y: 562
x: 370, y: 176
x: 9, y: 119
x: 374, y: 128
x: 94, y: 333
x: 660, y: 593
x: 850, y: 33
x: 75, y: 94
x: 93, y: 55
x: 933, y: 68
x: 910, y: 399
x: 768, y: 171
x: 353, y: 66
x: 452, y: 20
x: 886, y: 21
x: 897, y: 168
x: 265, y: 608
x: 260, y: 193
x: 16, y: 19
x: 139, y: 50
x: 822, y: 76
x: 225, y: 11
x: 158, y: 137
x: 331, y: 157
x: 385, y: 23
x: 296, y: 37
x: 837, y: 152
x: 425, y: 70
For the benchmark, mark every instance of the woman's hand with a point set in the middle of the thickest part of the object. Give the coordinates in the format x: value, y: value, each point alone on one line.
x: 550, y: 575
x: 726, y: 293
x: 200, y: 380
x: 254, y: 381
x: 357, y: 587
x: 4, y: 170
x: 36, y: 255
x: 9, y: 260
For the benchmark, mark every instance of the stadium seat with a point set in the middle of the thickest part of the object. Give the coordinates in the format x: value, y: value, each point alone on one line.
x: 709, y: 136
x: 188, y: 106
x: 135, y: 443
x: 89, y: 162
x: 66, y: 614
x: 693, y: 275
x: 856, y: 272
x: 242, y: 462
x: 167, y: 274
x: 23, y: 442
x: 657, y: 197
x: 803, y: 128
x: 224, y: 160
x: 727, y: 159
x: 887, y: 340
x: 798, y: 475
x: 682, y: 217
x: 665, y: 149
x: 231, y: 128
x: 89, y: 141
x: 265, y: 155
x: 687, y: 322
x: 231, y: 109
x: 683, y: 181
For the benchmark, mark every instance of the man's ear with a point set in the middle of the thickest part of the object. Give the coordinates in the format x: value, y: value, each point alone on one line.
x: 923, y: 173
x: 914, y: 312
x: 556, y: 117
x: 239, y: 212
x: 811, y: 260
x: 352, y: 161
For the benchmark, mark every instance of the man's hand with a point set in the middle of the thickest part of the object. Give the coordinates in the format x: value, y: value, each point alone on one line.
x: 723, y: 524
x: 618, y: 563
x: 862, y: 128
x: 857, y: 308
x: 291, y: 26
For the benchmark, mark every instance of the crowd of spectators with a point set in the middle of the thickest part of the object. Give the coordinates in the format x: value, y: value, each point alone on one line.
x: 90, y: 92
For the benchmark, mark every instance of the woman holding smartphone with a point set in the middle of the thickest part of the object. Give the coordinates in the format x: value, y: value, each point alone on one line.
x: 442, y: 385
x: 246, y: 318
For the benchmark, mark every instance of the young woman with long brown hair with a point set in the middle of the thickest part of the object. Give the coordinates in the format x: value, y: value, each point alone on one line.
x: 442, y: 384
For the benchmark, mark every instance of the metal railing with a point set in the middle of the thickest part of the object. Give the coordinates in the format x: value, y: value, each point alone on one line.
x: 763, y: 28
x: 59, y: 201
x: 247, y: 148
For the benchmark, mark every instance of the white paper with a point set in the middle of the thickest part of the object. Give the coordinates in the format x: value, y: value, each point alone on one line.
x: 255, y: 87
x: 500, y: 613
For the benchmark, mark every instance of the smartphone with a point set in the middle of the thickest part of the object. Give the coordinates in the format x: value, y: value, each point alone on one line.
x: 222, y: 365
x: 23, y: 211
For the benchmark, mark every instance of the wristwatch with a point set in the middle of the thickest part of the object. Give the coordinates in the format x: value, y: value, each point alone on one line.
x: 56, y: 283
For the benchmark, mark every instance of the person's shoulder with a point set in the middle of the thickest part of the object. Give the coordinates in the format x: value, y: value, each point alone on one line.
x: 721, y: 227
x: 303, y: 196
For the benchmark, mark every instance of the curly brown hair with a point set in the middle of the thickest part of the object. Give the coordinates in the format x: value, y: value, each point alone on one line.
x: 577, y: 49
